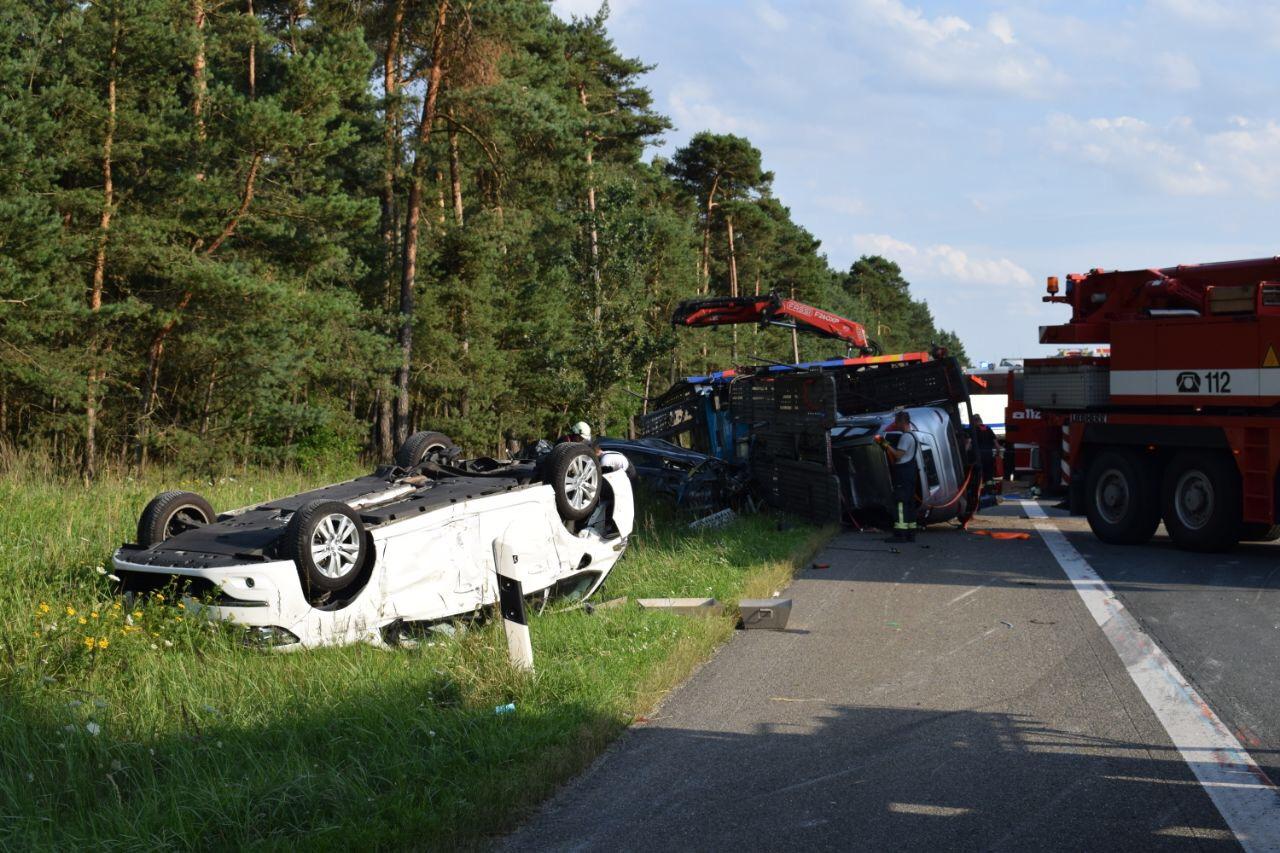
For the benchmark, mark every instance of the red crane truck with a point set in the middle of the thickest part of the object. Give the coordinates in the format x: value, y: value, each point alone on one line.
x: 1181, y: 422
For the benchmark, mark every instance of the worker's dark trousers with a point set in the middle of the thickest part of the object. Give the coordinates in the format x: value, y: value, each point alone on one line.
x: 905, y: 476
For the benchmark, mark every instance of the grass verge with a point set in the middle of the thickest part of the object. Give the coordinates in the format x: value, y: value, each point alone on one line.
x: 141, y: 727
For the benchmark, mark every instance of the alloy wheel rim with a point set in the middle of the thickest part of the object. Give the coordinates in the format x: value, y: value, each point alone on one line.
x: 335, y: 545
x: 581, y: 483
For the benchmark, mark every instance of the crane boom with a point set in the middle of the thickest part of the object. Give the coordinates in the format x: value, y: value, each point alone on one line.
x: 773, y: 310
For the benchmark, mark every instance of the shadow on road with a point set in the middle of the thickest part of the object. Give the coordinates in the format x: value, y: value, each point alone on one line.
x: 881, y: 778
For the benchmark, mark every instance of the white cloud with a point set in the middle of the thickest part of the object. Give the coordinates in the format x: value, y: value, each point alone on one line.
x: 771, y: 17
x: 999, y: 26
x: 943, y: 261
x: 947, y: 52
x: 1177, y: 158
x: 693, y: 108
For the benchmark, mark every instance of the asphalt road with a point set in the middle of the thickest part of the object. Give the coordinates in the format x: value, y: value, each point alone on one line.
x: 956, y: 695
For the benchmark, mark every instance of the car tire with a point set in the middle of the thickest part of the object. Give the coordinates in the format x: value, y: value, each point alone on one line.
x: 1122, y: 502
x: 417, y: 446
x: 573, y: 471
x: 1259, y: 532
x: 171, y: 513
x: 326, y: 540
x: 1202, y: 502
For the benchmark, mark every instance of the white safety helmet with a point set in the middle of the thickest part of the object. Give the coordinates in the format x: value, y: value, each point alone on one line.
x: 583, y: 429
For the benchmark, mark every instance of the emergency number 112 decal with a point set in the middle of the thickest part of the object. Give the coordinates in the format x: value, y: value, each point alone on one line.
x: 1214, y: 382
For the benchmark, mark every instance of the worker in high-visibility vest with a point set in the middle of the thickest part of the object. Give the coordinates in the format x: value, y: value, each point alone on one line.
x: 905, y: 475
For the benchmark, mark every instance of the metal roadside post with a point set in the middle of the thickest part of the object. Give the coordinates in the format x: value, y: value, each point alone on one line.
x: 511, y: 598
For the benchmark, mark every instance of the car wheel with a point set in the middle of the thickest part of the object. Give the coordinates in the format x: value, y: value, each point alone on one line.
x: 326, y: 540
x: 1122, y: 503
x: 1201, y: 501
x: 573, y: 471
x: 171, y: 513
x: 417, y: 446
x: 1259, y: 532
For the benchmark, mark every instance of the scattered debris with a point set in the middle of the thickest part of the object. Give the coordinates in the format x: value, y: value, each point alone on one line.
x: 714, y: 521
x: 1043, y: 622
x: 683, y: 606
x: 822, y: 565
x: 1006, y: 624
x: 509, y: 708
x: 766, y: 613
x: 1003, y: 535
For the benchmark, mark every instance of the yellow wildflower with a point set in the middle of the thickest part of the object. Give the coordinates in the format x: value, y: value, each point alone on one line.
x: 177, y: 619
x: 71, y: 611
x: 35, y: 633
x: 159, y: 596
x: 88, y: 642
x: 115, y: 606
x: 137, y: 614
x: 94, y: 615
x: 44, y: 608
x: 83, y: 621
x: 181, y: 606
x: 103, y: 642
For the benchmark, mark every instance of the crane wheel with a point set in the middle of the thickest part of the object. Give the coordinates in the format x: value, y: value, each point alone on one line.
x: 1121, y: 497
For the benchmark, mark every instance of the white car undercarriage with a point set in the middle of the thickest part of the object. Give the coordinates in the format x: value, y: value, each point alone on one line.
x: 410, y: 544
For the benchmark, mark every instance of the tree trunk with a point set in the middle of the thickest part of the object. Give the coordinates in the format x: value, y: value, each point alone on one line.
x: 253, y: 53
x: 455, y: 172
x: 199, y: 83
x: 100, y: 263
x: 597, y: 284
x: 795, y: 337
x: 706, y: 236
x: 208, y: 402
x: 440, y: 202
x: 413, y: 216
x: 733, y: 283
x: 390, y: 169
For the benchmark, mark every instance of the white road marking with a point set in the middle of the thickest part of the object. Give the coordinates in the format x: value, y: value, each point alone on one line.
x: 962, y: 596
x: 1246, y: 798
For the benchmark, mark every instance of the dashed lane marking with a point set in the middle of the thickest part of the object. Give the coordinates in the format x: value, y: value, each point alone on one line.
x: 1246, y: 798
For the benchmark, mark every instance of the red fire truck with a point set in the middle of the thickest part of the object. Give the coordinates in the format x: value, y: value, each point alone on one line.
x: 1181, y: 422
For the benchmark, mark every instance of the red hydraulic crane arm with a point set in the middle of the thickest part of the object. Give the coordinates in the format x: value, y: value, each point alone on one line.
x: 771, y: 310
x: 1100, y: 297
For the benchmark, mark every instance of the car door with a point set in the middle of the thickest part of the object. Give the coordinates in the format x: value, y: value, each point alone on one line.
x: 431, y: 570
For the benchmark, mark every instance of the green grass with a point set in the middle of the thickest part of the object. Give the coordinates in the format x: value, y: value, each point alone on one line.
x: 165, y: 733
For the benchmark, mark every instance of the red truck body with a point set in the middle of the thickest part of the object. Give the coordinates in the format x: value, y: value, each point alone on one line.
x: 1181, y: 422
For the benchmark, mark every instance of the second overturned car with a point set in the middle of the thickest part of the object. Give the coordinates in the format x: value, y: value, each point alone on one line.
x: 413, y: 542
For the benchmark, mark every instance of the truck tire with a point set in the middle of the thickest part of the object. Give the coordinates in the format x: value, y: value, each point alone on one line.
x: 1121, y: 499
x: 417, y: 446
x: 1201, y: 501
x: 326, y: 540
x: 573, y: 471
x: 171, y: 513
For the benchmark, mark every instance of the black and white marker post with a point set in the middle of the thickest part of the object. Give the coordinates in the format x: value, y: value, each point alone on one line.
x: 511, y: 599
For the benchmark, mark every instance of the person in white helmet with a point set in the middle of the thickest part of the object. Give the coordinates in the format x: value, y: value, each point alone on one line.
x: 582, y: 429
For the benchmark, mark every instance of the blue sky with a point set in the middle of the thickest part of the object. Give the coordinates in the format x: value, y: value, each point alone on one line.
x: 984, y: 146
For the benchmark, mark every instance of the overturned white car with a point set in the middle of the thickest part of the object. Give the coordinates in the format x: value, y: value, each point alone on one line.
x: 412, y: 543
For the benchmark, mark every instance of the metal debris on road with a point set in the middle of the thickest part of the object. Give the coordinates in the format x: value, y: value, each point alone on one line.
x: 683, y: 606
x: 713, y: 521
